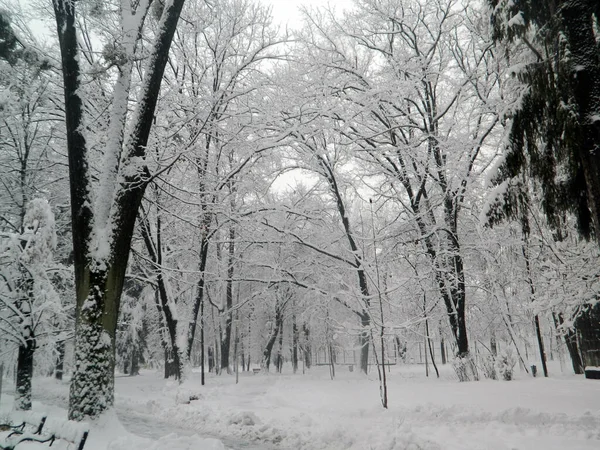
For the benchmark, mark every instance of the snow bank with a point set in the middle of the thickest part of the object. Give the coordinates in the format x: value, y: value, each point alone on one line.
x: 312, y: 412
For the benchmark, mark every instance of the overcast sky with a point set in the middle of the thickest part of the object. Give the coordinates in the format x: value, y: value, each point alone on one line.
x: 286, y: 11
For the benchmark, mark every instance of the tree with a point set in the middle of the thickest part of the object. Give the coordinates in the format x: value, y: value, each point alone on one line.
x: 26, y: 293
x: 418, y: 103
x: 104, y: 206
x: 554, y: 134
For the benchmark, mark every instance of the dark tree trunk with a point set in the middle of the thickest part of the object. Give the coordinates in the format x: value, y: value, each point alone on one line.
x: 226, y: 342
x: 307, y: 347
x: 363, y: 314
x: 135, y: 361
x: 173, y: 357
x: 570, y: 337
x: 588, y: 334
x: 24, y: 375
x: 280, y: 350
x: 294, y: 342
x: 60, y: 360
x: 202, y: 375
x: 199, y: 300
x: 430, y: 345
x: 540, y: 340
x: 536, y: 319
x: 99, y: 283
x: 443, y: 350
x: 172, y: 368
x: 211, y: 359
x: 273, y: 337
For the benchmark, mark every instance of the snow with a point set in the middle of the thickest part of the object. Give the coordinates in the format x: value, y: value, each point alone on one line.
x: 288, y: 411
x: 518, y: 19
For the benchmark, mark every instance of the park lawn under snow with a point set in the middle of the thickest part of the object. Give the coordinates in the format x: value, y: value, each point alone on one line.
x: 311, y: 411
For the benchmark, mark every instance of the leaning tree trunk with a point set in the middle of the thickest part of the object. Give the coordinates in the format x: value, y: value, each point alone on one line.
x: 273, y: 337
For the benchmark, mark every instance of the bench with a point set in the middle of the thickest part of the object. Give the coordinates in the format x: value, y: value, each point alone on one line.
x: 18, y: 421
x: 41, y: 430
x: 256, y: 370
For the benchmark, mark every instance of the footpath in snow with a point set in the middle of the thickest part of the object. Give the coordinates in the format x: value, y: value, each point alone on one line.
x: 268, y: 411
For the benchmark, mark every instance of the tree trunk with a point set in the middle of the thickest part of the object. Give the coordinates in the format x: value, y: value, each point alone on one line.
x: 24, y: 375
x: 307, y: 347
x: 92, y: 384
x: 211, y: 359
x: 294, y: 342
x: 443, y: 350
x: 165, y: 305
x: 60, y: 360
x: 363, y: 343
x: 202, y: 375
x: 226, y: 342
x: 588, y: 333
x: 273, y: 337
x: 99, y: 279
x: 429, y: 344
x: 199, y: 300
x: 570, y: 338
x: 280, y: 350
x: 135, y: 361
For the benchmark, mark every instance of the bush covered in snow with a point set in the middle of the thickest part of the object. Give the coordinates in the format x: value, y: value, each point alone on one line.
x: 465, y: 368
x: 505, y: 363
x: 488, y: 367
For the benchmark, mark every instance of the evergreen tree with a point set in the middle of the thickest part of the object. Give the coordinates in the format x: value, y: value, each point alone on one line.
x: 555, y: 130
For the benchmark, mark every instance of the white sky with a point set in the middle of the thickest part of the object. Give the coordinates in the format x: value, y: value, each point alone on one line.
x: 286, y: 11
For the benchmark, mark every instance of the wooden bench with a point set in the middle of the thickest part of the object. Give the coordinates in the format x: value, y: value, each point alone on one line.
x: 256, y: 370
x: 41, y: 430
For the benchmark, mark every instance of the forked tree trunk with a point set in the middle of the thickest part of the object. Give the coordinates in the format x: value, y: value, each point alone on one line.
x: 99, y: 275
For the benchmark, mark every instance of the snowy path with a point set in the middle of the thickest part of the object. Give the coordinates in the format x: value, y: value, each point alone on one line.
x: 312, y: 412
x: 52, y: 397
x: 146, y: 426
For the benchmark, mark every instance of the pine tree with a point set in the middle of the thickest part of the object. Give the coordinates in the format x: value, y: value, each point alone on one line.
x: 555, y: 131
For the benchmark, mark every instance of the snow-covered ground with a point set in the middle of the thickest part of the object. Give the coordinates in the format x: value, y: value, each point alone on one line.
x: 268, y: 411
